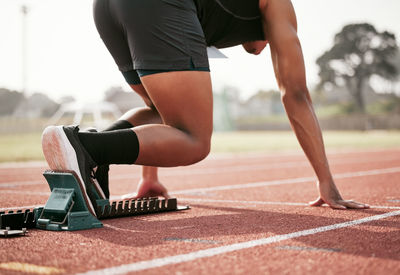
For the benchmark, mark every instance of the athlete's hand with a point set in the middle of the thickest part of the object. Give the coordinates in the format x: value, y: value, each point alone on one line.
x: 330, y: 195
x: 148, y: 189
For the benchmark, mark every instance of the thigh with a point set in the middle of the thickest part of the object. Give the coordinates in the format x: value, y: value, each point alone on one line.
x: 183, y: 100
x: 140, y: 90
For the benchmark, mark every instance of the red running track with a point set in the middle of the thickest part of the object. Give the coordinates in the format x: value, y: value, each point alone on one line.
x: 249, y: 215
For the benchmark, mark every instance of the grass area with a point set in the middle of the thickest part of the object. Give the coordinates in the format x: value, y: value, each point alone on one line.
x: 23, y: 147
x: 20, y: 147
x: 280, y: 141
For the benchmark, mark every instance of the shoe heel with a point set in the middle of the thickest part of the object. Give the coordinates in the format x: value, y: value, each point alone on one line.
x: 52, y: 148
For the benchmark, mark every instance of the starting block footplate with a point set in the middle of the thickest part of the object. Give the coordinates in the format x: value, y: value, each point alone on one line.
x: 66, y: 209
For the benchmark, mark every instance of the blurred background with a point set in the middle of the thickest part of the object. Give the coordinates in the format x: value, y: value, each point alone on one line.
x: 54, y: 69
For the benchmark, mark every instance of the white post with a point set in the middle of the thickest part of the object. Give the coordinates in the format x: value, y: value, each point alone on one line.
x: 24, y: 10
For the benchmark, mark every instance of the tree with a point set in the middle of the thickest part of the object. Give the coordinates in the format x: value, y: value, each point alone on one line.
x: 359, y: 52
x: 9, y: 101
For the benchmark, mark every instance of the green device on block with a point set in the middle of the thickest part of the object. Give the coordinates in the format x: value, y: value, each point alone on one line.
x: 66, y: 208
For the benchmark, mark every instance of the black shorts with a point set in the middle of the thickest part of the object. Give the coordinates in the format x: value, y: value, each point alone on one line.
x: 155, y: 35
x: 228, y: 23
x: 152, y: 36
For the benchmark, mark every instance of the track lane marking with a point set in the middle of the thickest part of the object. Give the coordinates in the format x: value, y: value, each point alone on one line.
x: 30, y: 268
x: 245, y: 168
x: 206, y: 253
x: 270, y: 202
x: 212, y: 157
x: 221, y: 201
x: 392, y: 170
x: 25, y: 207
x: 307, y: 248
x: 21, y: 183
x: 222, y: 156
x: 212, y: 170
x: 37, y: 193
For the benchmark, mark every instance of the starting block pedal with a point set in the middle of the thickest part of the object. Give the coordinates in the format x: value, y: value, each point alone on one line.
x: 66, y: 208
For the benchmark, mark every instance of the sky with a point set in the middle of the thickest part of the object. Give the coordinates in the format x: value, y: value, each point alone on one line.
x: 65, y: 56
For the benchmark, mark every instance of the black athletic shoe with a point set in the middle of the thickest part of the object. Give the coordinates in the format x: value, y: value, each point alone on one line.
x: 101, y: 173
x: 64, y: 152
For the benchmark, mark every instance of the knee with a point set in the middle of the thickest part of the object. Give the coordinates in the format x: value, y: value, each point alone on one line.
x: 150, y: 105
x: 200, y: 151
x: 204, y: 149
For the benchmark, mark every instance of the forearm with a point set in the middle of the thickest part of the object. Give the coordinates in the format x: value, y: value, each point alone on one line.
x: 306, y: 127
x: 150, y: 173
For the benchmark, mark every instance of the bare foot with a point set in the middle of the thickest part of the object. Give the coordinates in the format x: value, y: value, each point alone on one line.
x: 147, y: 189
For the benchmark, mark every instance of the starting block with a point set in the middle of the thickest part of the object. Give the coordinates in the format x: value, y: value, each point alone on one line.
x: 8, y: 232
x: 17, y: 220
x: 66, y: 210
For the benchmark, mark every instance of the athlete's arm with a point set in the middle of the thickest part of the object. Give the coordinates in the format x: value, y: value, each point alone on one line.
x: 280, y: 27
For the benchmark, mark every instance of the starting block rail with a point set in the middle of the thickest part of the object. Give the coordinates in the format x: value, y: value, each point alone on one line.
x: 16, y: 220
x: 10, y: 232
x: 137, y: 207
x: 66, y: 209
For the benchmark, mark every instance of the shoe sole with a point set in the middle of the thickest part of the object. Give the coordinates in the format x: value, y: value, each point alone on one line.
x: 98, y: 189
x: 61, y: 157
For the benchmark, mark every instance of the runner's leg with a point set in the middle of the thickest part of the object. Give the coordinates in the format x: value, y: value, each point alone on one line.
x: 184, y: 102
x: 149, y: 184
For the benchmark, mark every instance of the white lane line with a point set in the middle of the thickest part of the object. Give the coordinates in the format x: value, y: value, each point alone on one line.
x: 245, y: 185
x: 268, y: 203
x: 25, y: 192
x: 222, y: 156
x: 205, y: 253
x: 305, y: 248
x: 245, y: 202
x: 24, y: 164
x: 216, y: 201
x: 21, y: 183
x: 187, y: 171
x: 287, y: 181
x: 230, y: 168
x: 20, y: 207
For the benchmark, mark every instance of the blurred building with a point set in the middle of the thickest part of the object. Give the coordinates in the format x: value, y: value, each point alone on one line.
x: 99, y: 112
